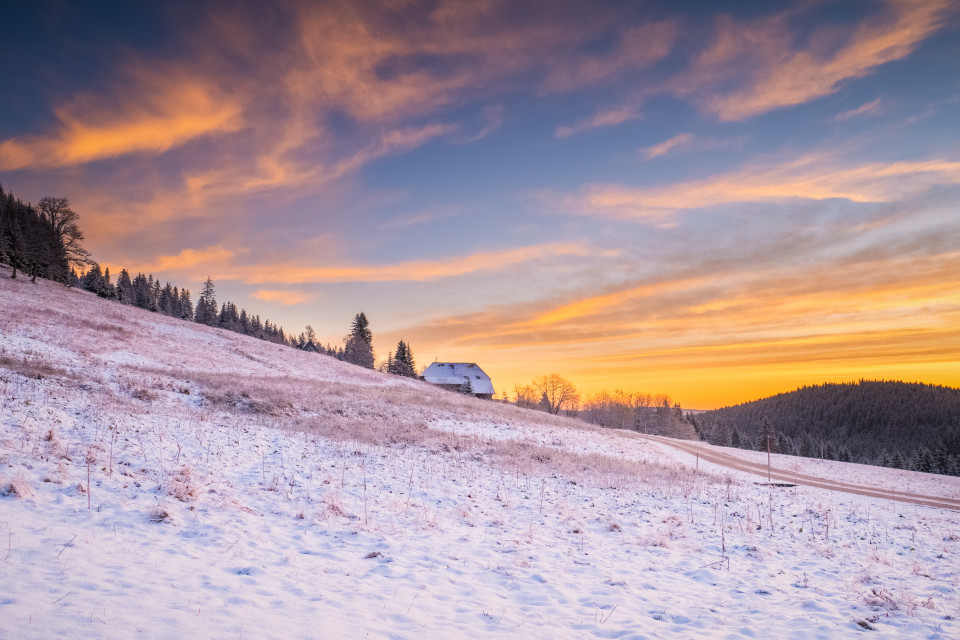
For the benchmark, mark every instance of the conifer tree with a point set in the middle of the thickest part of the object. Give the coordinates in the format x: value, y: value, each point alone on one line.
x: 358, y: 349
x: 784, y: 444
x: 401, y: 363
x: 92, y: 280
x: 186, y: 305
x: 124, y: 288
x: 206, y: 312
x: 897, y: 460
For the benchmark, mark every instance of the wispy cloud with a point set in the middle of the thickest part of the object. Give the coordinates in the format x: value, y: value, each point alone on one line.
x: 194, y: 259
x: 423, y: 217
x: 413, y: 270
x: 493, y: 117
x: 156, y: 112
x: 757, y: 66
x: 600, y: 119
x: 676, y: 142
x: 868, y: 108
x: 812, y: 177
x: 636, y: 49
x: 302, y: 272
x: 287, y: 298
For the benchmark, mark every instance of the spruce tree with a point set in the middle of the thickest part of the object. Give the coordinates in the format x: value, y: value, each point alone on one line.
x: 806, y: 445
x: 124, y: 288
x: 785, y: 445
x: 402, y: 363
x: 940, y: 464
x: 358, y: 349
x: 186, y: 305
x: 206, y: 312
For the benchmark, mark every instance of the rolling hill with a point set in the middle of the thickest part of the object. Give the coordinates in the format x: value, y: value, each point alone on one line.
x: 905, y: 425
x: 164, y: 479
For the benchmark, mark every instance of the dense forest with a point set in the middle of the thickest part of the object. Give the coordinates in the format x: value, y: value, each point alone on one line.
x: 46, y: 242
x: 895, y: 424
x: 43, y: 241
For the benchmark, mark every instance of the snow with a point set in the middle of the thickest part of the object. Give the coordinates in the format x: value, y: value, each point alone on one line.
x: 861, y: 474
x: 240, y: 489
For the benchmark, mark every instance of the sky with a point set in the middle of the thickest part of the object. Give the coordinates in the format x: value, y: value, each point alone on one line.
x: 719, y: 202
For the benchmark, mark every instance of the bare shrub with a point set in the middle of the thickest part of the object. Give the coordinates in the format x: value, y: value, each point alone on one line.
x: 182, y: 486
x: 18, y: 487
x: 880, y: 598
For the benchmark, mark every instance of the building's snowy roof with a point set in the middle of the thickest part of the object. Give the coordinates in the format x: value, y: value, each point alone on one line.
x: 456, y: 373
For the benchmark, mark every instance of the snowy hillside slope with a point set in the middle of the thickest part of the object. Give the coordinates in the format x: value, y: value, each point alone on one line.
x: 163, y: 480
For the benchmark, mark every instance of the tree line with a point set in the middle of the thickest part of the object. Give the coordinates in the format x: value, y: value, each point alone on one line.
x: 145, y: 292
x: 46, y: 242
x: 887, y: 423
x: 635, y: 411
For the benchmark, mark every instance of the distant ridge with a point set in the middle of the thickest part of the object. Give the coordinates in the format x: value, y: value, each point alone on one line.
x: 889, y: 423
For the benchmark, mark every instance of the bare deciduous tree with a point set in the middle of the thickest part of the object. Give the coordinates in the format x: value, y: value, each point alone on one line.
x: 556, y: 393
x: 62, y: 221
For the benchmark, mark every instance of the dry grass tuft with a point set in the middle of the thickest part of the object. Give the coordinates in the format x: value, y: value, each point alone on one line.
x: 161, y: 514
x: 144, y: 395
x: 56, y: 449
x: 18, y: 487
x: 31, y: 367
x: 333, y: 506
x: 182, y: 486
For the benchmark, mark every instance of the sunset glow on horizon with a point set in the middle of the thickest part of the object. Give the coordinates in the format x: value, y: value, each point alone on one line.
x: 720, y: 204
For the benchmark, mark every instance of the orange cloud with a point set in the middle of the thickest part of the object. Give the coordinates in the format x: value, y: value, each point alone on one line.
x: 162, y: 111
x: 780, y: 75
x: 193, y: 259
x: 414, y: 270
x: 593, y: 305
x: 815, y: 177
x: 223, y: 263
x: 287, y: 298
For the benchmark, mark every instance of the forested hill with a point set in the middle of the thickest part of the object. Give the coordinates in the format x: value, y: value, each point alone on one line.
x: 898, y: 424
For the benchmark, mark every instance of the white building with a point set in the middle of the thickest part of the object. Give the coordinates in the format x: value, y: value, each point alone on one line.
x: 451, y: 375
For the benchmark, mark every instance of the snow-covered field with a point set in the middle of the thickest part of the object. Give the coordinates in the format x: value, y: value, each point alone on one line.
x: 164, y: 480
